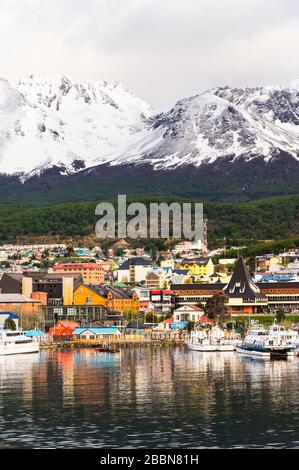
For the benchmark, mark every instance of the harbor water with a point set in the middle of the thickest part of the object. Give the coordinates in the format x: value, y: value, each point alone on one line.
x: 151, y: 397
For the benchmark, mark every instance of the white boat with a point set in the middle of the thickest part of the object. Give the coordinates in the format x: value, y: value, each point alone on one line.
x: 212, y: 340
x: 288, y: 335
x: 260, y: 342
x: 199, y: 341
x: 15, y: 342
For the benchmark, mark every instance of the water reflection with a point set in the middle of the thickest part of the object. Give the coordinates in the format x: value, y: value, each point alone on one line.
x: 151, y: 397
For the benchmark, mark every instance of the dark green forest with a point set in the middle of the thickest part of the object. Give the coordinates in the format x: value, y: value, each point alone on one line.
x: 228, y: 223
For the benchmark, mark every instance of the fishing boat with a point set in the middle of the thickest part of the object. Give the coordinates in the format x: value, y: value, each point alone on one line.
x: 15, y: 342
x: 260, y: 342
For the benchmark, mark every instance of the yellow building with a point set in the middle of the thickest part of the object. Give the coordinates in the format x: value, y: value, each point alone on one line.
x: 198, y: 266
x: 107, y: 296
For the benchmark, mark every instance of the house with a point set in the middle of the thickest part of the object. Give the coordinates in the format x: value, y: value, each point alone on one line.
x: 161, y: 299
x: 168, y: 264
x: 134, y: 270
x: 198, y: 266
x: 64, y: 329
x: 92, y: 273
x: 109, y: 297
x: 188, y: 313
x: 94, y: 333
x: 156, y: 279
x: 165, y: 325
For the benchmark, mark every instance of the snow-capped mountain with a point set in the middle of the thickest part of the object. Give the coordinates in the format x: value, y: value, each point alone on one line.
x: 75, y: 124
x: 220, y: 123
x: 47, y: 121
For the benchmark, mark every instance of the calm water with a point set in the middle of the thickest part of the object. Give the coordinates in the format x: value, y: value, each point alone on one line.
x: 148, y: 398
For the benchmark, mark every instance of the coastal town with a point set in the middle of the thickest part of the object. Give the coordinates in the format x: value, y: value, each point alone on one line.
x: 58, y: 293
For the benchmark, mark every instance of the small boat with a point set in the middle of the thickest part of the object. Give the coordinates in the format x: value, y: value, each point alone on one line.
x: 287, y: 335
x: 260, y: 342
x: 199, y: 341
x: 15, y: 342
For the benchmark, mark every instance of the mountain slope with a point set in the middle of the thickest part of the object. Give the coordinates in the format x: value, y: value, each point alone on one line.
x: 47, y: 121
x: 220, y: 123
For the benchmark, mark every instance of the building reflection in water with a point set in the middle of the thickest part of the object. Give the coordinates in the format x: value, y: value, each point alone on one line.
x: 184, y: 397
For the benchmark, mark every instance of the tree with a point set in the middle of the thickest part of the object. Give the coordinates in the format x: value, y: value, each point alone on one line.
x: 151, y: 317
x: 216, y: 306
x: 280, y: 316
x: 9, y: 324
x: 119, y: 252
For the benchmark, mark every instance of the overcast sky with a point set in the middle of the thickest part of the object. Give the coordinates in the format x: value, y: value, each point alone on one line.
x: 163, y: 50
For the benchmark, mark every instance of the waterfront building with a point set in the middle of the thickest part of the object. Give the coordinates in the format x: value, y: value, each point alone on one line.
x: 243, y: 295
x: 94, y: 333
x: 187, y: 313
x: 63, y: 329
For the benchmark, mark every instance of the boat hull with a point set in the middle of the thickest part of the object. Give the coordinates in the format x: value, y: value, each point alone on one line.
x: 254, y: 353
x: 202, y: 347
x: 225, y: 347
x: 10, y: 350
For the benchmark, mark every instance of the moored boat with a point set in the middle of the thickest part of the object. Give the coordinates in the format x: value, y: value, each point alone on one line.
x: 211, y: 340
x: 260, y: 342
x: 15, y: 342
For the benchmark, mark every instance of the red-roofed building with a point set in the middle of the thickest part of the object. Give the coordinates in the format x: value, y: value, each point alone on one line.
x: 64, y: 329
x: 188, y: 313
x: 92, y: 273
x: 165, y: 324
x: 205, y: 319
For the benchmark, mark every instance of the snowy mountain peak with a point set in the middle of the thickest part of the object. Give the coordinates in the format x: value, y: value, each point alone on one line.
x: 48, y: 121
x: 56, y: 120
x: 220, y: 123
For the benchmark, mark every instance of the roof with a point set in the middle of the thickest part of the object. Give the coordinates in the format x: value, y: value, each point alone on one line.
x: 278, y: 285
x: 241, y: 284
x: 201, y: 261
x: 104, y: 290
x: 34, y: 333
x: 78, y: 266
x: 98, y: 331
x: 167, y: 320
x: 216, y: 286
x: 16, y: 298
x: 11, y: 315
x: 137, y: 261
x: 205, y: 319
x: 67, y: 324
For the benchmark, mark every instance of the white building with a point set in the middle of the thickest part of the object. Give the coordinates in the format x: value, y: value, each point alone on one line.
x: 188, y: 313
x: 134, y: 270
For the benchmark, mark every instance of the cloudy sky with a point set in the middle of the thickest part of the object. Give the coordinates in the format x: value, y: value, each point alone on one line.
x: 163, y: 50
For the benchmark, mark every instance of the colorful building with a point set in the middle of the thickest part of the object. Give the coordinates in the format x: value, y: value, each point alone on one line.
x: 109, y: 297
x: 198, y: 266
